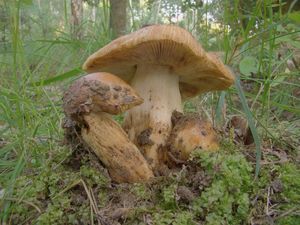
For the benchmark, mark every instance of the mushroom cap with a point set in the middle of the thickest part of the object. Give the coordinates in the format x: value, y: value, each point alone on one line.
x: 189, y: 133
x: 165, y: 45
x: 99, y: 92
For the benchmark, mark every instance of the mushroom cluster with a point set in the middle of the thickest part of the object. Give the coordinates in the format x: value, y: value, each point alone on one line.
x: 164, y: 66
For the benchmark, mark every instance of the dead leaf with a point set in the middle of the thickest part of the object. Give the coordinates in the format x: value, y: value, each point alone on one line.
x: 242, y: 132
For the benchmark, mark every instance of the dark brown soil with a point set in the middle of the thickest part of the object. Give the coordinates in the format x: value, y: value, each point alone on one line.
x: 144, y: 137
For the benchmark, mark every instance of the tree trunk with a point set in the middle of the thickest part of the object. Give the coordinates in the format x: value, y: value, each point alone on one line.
x: 118, y: 17
x: 94, y: 13
x: 77, y: 12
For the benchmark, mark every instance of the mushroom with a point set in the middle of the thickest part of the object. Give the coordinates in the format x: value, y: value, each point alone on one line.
x: 165, y: 65
x: 190, y: 132
x: 89, y: 101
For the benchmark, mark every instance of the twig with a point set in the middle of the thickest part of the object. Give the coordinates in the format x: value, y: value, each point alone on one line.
x: 286, y: 213
x: 177, y: 161
x: 95, y: 202
x: 274, y: 162
x: 91, y: 197
x: 268, y: 201
x: 92, y: 202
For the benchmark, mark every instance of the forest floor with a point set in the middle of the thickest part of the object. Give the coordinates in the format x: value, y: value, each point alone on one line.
x: 70, y: 186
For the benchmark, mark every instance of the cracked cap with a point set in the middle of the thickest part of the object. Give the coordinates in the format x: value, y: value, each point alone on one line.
x: 166, y: 45
x: 99, y: 92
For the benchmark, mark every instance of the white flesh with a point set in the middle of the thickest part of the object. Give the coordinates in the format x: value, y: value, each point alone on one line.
x: 160, y: 90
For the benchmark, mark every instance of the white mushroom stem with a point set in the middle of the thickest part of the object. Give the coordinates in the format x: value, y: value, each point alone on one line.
x: 159, y: 88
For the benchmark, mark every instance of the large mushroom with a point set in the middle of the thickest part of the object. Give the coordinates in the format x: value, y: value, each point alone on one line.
x: 165, y: 65
x: 89, y: 102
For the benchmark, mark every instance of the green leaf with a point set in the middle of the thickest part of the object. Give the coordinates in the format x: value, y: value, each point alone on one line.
x: 295, y: 44
x: 26, y: 2
x: 295, y: 16
x: 59, y: 77
x: 251, y: 124
x: 219, y: 107
x: 289, y: 40
x: 278, y: 80
x: 280, y: 28
x: 248, y: 65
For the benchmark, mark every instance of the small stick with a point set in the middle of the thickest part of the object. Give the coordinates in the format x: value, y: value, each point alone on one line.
x: 286, y: 213
x: 268, y: 201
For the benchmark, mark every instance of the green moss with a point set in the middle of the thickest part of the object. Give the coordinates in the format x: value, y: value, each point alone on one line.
x: 51, y: 192
x: 93, y: 176
x: 289, y: 220
x: 174, y: 218
x: 168, y: 197
x: 290, y: 196
x: 226, y: 201
x: 141, y: 191
x: 103, y: 198
x: 61, y: 212
x: 290, y: 177
x: 224, y: 198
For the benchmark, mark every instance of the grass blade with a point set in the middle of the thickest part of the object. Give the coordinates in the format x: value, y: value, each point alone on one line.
x: 59, y: 77
x: 251, y: 122
x: 221, y: 102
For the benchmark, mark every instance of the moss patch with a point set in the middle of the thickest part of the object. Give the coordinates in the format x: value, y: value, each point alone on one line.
x: 212, y: 188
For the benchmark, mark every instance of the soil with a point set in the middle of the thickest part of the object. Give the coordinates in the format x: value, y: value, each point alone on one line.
x: 144, y: 137
x: 125, y: 201
x: 122, y: 199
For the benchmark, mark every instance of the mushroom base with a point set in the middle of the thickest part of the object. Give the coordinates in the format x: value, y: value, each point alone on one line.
x: 149, y: 124
x: 121, y: 157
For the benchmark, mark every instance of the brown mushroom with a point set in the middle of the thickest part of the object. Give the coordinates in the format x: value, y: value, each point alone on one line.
x: 89, y: 101
x: 190, y: 132
x: 165, y: 65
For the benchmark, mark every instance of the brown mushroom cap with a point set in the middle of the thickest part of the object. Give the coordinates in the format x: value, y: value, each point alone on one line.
x: 99, y: 92
x: 189, y: 133
x: 166, y: 45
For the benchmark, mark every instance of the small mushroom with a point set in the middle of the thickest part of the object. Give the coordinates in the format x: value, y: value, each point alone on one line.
x: 89, y: 101
x: 165, y: 65
x: 190, y: 132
